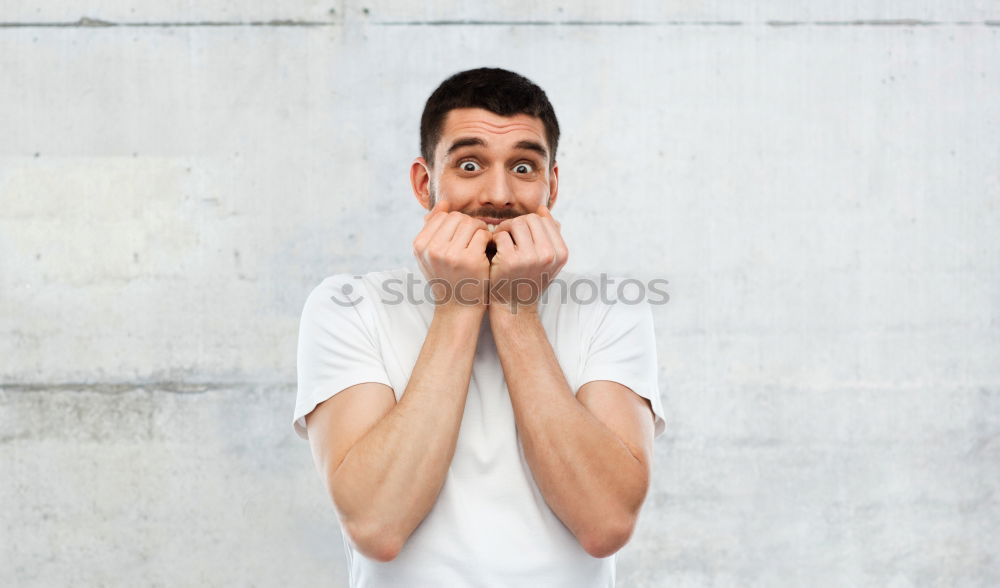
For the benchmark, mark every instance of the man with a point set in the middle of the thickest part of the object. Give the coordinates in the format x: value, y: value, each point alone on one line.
x: 490, y: 436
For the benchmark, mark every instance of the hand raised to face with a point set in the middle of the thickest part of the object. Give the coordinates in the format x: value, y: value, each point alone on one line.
x: 451, y: 253
x: 530, y: 253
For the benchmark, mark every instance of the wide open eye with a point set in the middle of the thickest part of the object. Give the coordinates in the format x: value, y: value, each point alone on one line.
x: 468, y: 165
x: 525, y: 164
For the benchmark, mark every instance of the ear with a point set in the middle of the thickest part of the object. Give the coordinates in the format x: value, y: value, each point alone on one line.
x: 553, y: 185
x: 420, y: 180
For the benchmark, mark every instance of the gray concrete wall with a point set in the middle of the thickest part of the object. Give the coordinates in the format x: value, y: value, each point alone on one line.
x: 818, y: 181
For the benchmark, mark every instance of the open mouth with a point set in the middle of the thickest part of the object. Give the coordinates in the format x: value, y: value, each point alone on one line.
x: 491, y: 222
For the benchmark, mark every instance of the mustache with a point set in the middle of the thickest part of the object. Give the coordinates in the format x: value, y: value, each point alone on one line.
x: 494, y: 213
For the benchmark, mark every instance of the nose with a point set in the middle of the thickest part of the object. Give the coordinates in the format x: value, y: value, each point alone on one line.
x: 497, y: 191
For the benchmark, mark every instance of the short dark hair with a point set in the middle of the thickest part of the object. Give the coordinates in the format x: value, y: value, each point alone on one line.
x: 498, y: 90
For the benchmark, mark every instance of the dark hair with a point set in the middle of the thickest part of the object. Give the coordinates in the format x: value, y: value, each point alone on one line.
x: 497, y: 90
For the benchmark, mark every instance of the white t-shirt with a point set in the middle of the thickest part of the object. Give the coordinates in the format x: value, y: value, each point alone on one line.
x: 490, y: 526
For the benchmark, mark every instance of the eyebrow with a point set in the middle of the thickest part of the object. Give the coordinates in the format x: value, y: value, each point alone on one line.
x: 476, y: 141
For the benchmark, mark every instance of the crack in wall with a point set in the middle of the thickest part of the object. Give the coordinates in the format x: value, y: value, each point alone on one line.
x: 907, y: 22
x: 87, y: 22
x: 171, y: 386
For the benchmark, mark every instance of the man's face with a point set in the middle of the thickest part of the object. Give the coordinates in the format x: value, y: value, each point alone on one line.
x: 488, y: 166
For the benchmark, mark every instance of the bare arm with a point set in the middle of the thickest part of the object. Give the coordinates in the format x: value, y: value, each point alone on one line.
x: 590, y: 461
x: 397, y: 454
x: 593, y: 469
x: 385, y: 463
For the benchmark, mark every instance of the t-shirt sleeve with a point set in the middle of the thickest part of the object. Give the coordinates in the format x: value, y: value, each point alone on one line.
x: 337, y: 346
x: 623, y: 350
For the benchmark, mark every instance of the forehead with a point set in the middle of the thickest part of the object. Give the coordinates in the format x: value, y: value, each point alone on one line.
x: 496, y: 130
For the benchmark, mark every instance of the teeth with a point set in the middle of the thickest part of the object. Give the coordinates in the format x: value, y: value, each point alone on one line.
x: 492, y: 227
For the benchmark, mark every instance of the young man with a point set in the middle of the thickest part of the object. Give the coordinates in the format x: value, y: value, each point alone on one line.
x: 489, y: 436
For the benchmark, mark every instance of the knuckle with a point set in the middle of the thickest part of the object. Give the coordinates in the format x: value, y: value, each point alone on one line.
x: 434, y: 253
x: 452, y: 258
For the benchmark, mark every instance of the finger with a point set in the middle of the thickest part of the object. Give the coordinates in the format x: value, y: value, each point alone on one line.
x: 555, y: 237
x: 432, y: 221
x: 441, y: 205
x: 465, y: 232
x: 503, y: 225
x: 544, y: 248
x: 521, y: 233
x: 446, y: 232
x: 480, y: 239
x: 504, y: 243
x: 544, y: 212
x: 430, y: 228
x: 539, y: 236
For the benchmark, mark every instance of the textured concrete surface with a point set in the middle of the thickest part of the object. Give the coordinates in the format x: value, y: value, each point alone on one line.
x: 818, y: 181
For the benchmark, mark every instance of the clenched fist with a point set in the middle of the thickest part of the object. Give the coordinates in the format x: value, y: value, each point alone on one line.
x: 530, y: 253
x: 451, y: 252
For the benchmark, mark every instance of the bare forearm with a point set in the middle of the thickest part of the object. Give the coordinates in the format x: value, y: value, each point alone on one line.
x: 588, y: 476
x: 390, y: 479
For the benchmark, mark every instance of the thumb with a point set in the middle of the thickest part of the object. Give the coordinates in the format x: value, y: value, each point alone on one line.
x: 543, y: 211
x: 441, y: 205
